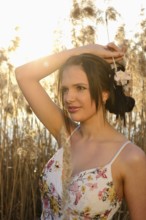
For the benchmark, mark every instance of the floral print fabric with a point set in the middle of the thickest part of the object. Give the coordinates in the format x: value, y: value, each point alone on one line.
x: 91, y: 192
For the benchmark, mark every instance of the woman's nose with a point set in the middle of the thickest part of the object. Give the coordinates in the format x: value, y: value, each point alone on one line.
x: 69, y: 96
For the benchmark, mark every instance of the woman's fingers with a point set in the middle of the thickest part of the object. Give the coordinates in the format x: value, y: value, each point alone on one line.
x: 109, y: 55
x: 113, y: 47
x: 113, y: 51
x: 107, y: 52
x: 110, y: 60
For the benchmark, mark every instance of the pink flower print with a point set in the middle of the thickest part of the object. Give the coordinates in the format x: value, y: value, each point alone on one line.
x: 107, y: 212
x: 74, y: 187
x: 101, y: 173
x: 52, y: 188
x: 49, y: 164
x: 45, y: 201
x: 100, y: 194
x: 87, y: 218
x: 78, y: 196
x: 92, y: 186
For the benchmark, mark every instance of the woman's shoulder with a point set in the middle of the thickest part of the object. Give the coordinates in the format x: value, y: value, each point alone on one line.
x: 133, y: 156
x: 132, y: 152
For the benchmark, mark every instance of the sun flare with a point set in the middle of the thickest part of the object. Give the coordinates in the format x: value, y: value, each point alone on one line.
x: 36, y: 21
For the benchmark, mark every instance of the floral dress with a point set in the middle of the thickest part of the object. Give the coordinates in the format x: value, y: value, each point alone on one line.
x: 91, y: 192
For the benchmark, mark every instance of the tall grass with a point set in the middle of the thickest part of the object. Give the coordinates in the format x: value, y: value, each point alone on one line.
x: 25, y: 147
x: 21, y: 161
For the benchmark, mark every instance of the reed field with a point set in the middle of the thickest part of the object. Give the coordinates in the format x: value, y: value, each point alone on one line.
x: 26, y: 146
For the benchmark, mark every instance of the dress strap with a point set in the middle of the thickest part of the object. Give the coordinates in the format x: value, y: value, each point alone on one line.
x: 73, y: 132
x: 119, y: 151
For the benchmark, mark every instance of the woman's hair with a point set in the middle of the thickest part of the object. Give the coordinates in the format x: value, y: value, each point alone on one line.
x: 100, y: 76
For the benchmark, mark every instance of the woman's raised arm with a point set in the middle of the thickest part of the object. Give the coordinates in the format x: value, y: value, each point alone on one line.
x: 29, y: 75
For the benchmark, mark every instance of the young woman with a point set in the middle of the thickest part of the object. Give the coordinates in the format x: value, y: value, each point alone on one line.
x: 96, y: 166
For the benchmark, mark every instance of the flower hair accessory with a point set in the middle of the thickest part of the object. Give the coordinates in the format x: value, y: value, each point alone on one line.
x: 121, y: 76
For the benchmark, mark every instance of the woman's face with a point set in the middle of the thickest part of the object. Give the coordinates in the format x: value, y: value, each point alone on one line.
x: 76, y: 94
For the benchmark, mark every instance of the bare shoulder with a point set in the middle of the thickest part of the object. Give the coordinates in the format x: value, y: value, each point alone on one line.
x: 134, y: 156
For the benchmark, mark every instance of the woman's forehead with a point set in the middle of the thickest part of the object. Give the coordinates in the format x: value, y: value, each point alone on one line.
x: 74, y: 74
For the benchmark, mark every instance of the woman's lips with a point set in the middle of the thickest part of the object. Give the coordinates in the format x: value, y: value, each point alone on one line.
x: 73, y: 109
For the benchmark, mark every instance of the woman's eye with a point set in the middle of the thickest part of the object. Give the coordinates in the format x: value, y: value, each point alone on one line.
x: 64, y: 90
x: 80, y: 88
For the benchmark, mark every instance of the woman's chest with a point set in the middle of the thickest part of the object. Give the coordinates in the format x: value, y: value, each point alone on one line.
x: 86, y: 156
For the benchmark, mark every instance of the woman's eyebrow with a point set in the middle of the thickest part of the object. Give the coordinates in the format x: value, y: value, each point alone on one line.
x: 80, y: 84
x: 76, y: 84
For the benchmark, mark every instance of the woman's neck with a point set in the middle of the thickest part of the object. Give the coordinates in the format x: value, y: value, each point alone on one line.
x: 94, y: 128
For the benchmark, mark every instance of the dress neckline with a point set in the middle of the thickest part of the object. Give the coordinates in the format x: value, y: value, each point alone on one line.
x: 107, y: 165
x: 99, y: 167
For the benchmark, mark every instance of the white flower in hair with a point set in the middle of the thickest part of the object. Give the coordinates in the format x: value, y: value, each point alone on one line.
x: 122, y: 77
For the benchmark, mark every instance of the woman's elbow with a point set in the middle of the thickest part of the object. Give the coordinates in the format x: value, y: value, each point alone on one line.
x: 20, y: 73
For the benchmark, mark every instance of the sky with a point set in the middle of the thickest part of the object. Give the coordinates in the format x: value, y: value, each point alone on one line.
x: 38, y: 18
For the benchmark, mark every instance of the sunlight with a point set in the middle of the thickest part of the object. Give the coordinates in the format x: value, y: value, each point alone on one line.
x: 36, y: 19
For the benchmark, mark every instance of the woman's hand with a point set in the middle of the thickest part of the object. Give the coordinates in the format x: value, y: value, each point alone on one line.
x: 117, y: 52
x: 108, y: 52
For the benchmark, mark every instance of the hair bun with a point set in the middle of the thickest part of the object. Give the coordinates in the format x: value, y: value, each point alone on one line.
x: 130, y: 103
x: 121, y: 104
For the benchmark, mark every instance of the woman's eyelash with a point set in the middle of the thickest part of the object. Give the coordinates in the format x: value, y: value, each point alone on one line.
x: 81, y: 88
x: 64, y: 90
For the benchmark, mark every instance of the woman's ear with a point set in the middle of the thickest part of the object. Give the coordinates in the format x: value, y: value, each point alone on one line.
x: 105, y: 96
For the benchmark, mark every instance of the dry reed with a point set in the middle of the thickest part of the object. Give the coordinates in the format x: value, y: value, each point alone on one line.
x: 25, y: 145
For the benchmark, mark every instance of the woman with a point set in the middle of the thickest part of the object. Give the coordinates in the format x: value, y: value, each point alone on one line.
x: 97, y: 166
